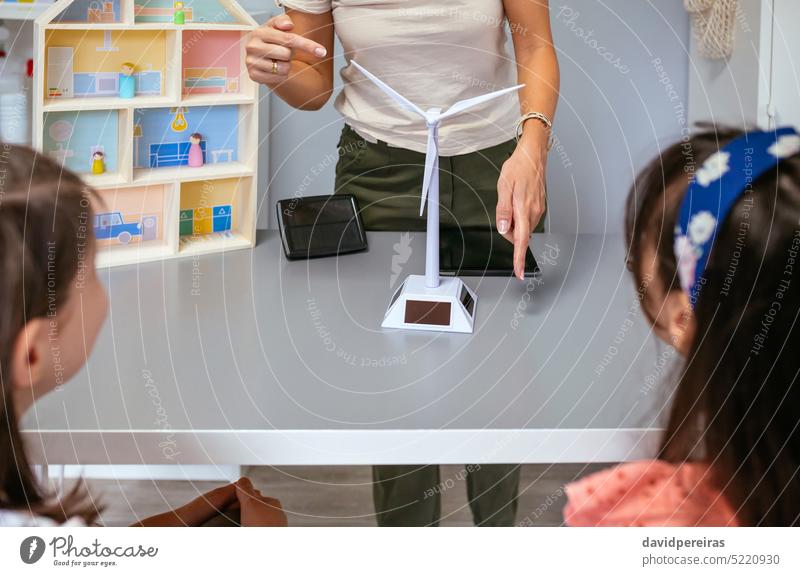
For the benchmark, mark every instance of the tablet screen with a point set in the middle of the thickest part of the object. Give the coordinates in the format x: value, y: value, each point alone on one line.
x: 320, y: 226
x: 479, y: 252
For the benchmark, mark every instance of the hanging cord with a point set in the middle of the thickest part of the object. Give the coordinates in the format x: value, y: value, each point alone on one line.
x: 713, y: 23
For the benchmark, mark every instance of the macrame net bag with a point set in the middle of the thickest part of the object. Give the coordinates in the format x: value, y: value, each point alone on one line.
x: 713, y: 23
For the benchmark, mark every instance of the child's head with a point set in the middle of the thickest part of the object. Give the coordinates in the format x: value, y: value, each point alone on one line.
x: 98, y: 155
x: 52, y: 304
x: 734, y: 317
x: 196, y: 138
x: 128, y: 68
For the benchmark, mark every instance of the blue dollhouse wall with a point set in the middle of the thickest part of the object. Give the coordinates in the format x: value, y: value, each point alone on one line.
x: 72, y: 137
x: 165, y: 132
x: 148, y: 83
x: 95, y: 11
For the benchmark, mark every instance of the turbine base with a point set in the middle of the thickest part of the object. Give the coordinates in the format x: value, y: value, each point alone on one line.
x: 450, y: 307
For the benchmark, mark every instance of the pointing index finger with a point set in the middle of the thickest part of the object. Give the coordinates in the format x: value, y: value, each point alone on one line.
x: 301, y: 43
x: 522, y: 236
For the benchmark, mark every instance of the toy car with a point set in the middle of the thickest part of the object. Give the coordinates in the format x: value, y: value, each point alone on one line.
x: 110, y: 225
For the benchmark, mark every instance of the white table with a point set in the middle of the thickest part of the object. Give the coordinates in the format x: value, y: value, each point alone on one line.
x: 245, y: 358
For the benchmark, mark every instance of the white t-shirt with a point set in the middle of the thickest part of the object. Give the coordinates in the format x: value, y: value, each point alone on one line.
x: 434, y: 54
x: 22, y: 518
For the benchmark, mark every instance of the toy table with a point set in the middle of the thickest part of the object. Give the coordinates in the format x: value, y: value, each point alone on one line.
x: 244, y: 358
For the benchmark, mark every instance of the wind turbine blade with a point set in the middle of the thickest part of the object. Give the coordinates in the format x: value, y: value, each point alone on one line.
x: 394, y: 94
x: 430, y: 160
x: 462, y: 105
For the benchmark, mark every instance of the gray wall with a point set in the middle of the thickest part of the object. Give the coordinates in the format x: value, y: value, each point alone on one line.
x: 611, y: 119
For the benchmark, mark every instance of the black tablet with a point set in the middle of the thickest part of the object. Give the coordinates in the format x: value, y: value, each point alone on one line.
x: 479, y: 252
x: 316, y: 226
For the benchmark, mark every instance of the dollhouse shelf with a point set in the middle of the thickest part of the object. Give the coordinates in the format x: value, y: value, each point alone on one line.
x: 146, y: 26
x: 107, y: 180
x: 117, y: 103
x: 189, y: 78
x: 214, y: 99
x: 106, y: 103
x: 132, y: 255
x: 191, y: 246
x: 146, y: 176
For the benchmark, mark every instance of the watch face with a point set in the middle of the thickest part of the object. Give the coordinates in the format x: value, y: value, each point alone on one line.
x: 479, y: 252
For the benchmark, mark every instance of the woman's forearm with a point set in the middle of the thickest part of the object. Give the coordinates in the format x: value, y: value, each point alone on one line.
x: 305, y: 88
x: 537, y: 68
x: 537, y: 65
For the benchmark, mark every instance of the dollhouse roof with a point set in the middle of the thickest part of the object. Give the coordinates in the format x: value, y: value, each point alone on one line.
x: 160, y: 8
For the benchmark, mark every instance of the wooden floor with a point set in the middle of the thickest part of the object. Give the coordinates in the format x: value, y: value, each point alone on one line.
x: 337, y: 495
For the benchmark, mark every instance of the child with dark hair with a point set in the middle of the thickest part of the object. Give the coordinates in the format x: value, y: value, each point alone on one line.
x: 52, y: 306
x: 716, y: 251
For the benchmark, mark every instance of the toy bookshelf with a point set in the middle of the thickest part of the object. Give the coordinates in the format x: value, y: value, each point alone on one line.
x: 159, y: 117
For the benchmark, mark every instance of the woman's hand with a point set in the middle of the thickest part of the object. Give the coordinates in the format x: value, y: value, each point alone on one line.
x: 272, y: 47
x: 521, y: 192
x: 198, y: 511
x: 257, y: 509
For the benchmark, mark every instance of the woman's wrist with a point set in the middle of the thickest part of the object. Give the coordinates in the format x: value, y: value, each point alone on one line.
x: 535, y: 138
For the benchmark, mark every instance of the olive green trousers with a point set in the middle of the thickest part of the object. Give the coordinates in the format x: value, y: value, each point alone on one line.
x: 412, y: 495
x: 387, y: 183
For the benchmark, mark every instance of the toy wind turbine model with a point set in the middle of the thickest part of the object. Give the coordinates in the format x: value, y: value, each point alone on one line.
x: 428, y: 302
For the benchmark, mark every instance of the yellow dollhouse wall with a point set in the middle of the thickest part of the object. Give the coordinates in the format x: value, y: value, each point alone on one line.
x: 104, y: 51
x: 201, y: 198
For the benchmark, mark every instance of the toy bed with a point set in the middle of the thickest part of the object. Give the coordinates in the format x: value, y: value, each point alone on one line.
x: 205, y: 79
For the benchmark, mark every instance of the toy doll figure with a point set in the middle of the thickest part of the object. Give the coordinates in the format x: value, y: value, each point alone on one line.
x: 195, y: 151
x: 179, y: 16
x: 127, y: 82
x: 98, y: 162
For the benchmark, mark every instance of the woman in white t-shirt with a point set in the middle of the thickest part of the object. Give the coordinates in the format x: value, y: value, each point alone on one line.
x: 433, y: 53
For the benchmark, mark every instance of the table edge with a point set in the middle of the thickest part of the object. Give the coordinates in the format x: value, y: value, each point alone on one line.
x: 339, y: 447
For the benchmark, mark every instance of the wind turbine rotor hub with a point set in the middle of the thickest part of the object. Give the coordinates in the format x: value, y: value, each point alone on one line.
x: 432, y: 116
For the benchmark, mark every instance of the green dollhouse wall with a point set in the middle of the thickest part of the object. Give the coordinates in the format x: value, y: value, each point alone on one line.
x: 71, y: 137
x: 196, y: 11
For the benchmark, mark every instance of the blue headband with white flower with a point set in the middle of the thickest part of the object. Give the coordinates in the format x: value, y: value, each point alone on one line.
x: 722, y: 179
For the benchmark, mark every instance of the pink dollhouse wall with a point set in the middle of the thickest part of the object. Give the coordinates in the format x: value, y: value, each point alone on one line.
x: 122, y: 209
x: 211, y: 61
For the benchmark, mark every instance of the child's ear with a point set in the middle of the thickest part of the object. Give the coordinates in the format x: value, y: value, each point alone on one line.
x: 680, y: 318
x: 29, y: 359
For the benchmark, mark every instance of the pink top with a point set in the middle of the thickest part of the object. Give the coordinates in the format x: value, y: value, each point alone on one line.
x: 647, y: 493
x: 195, y: 155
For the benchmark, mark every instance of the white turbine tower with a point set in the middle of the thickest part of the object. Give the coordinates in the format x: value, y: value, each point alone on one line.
x: 429, y: 303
